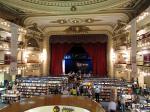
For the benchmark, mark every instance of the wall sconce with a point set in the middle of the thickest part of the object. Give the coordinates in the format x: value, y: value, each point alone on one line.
x: 113, y: 55
x: 25, y: 56
x: 126, y: 55
x: 43, y: 55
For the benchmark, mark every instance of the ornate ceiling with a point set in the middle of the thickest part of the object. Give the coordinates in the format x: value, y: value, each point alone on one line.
x: 61, y: 14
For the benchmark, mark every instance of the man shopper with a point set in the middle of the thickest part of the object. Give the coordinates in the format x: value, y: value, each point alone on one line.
x: 97, y: 93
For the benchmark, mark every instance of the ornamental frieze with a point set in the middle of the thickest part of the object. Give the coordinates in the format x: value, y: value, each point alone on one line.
x: 64, y: 3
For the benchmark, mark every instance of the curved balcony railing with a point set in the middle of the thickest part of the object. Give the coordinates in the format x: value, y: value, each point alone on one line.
x: 40, y: 101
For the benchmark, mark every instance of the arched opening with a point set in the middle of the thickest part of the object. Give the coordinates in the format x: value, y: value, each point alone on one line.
x: 95, y: 45
x: 77, y: 60
x: 32, y: 43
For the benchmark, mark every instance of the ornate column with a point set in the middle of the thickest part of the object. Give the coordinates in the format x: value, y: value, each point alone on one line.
x: 110, y: 56
x: 46, y: 55
x: 133, y: 36
x: 13, y: 48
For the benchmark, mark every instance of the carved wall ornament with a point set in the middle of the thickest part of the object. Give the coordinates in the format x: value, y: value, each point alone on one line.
x: 118, y: 28
x: 75, y: 20
x: 60, y: 21
x: 32, y: 43
x: 34, y: 27
x: 73, y: 8
x: 130, y: 4
x: 90, y: 20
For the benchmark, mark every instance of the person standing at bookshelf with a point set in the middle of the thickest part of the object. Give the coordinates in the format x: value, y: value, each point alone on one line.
x: 112, y: 106
x: 56, y: 89
x: 14, y: 87
x: 65, y: 91
x: 123, y: 102
x: 97, y: 93
x: 90, y: 92
x: 74, y: 91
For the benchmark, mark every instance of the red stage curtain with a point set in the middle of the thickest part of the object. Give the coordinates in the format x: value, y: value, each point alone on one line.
x: 58, y: 50
x: 98, y: 51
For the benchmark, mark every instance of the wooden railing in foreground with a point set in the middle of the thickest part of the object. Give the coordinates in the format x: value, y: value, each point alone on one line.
x: 38, y: 101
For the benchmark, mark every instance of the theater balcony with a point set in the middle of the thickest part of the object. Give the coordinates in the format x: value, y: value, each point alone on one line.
x: 55, y: 103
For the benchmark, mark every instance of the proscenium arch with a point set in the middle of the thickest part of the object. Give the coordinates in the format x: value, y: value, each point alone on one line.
x: 46, y: 46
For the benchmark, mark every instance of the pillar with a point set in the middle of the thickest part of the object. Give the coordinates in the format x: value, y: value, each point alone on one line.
x: 46, y: 55
x: 110, y: 56
x: 133, y: 36
x: 13, y: 49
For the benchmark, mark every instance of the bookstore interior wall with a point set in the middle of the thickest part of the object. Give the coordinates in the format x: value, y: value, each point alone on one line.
x: 122, y: 50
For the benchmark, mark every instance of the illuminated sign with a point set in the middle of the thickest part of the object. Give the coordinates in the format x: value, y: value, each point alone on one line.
x: 66, y: 109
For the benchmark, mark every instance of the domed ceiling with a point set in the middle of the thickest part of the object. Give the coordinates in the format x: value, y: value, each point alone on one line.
x: 58, y: 15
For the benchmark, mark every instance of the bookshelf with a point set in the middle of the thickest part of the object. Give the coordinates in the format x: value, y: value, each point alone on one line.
x: 109, y: 87
x: 38, y: 86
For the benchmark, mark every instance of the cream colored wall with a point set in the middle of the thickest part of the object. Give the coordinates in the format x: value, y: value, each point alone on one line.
x: 19, y: 55
x: 122, y: 74
x: 7, y: 76
x: 141, y: 80
x: 2, y: 56
x: 32, y: 73
x: 1, y: 77
x: 147, y: 81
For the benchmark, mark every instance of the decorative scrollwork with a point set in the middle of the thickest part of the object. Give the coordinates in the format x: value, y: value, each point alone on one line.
x: 65, y: 3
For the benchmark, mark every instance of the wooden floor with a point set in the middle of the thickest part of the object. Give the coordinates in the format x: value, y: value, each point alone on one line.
x: 77, y: 101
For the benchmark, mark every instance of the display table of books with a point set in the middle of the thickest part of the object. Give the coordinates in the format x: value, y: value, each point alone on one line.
x: 10, y: 97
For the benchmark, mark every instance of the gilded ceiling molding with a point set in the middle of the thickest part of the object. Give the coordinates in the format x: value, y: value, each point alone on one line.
x: 64, y: 3
x: 130, y: 4
x: 106, y: 32
x: 48, y: 29
x: 79, y: 38
x: 118, y: 28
